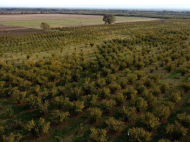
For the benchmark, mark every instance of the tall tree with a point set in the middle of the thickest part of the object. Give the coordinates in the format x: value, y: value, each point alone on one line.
x: 109, y: 18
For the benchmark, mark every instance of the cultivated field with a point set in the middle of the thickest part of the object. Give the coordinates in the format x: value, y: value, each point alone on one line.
x: 57, y: 20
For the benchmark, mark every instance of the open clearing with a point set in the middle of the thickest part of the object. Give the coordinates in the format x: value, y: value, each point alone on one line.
x: 60, y: 20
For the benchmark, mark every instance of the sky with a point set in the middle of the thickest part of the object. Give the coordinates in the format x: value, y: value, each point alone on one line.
x: 123, y: 4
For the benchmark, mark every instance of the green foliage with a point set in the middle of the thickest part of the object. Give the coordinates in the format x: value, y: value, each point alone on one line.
x: 184, y: 119
x: 94, y: 114
x: 9, y: 112
x: 149, y: 120
x: 114, y: 87
x: 114, y: 125
x: 119, y: 98
x: 88, y: 87
x: 161, y: 111
x: 44, y: 26
x: 128, y: 114
x: 12, y: 138
x: 32, y: 102
x: 39, y: 128
x: 176, y: 130
x: 131, y: 78
x: 100, y: 82
x: 104, y: 93
x: 126, y: 72
x: 110, y: 78
x: 123, y: 83
x: 98, y: 135
x: 109, y: 18
x: 139, y: 135
x: 77, y: 106
x: 175, y: 97
x: 164, y: 140
x: 149, y: 82
x: 108, y: 105
x: 140, y: 103
x: 185, y: 86
x: 62, y: 102
x: 105, y: 71
x: 90, y: 100
x: 156, y: 91
x: 164, y: 87
x: 18, y: 96
x: 139, y: 65
x: 170, y: 67
x: 43, y: 107
x: 129, y: 93
x: 59, y: 117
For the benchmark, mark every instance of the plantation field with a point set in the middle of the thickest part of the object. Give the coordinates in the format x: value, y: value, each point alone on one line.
x: 57, y: 20
x: 124, y: 82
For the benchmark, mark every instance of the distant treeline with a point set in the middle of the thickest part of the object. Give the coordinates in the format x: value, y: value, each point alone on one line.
x: 131, y: 13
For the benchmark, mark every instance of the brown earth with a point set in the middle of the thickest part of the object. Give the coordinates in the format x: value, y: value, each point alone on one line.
x: 32, y: 17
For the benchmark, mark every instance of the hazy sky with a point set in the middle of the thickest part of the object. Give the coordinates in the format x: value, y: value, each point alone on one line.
x: 176, y: 4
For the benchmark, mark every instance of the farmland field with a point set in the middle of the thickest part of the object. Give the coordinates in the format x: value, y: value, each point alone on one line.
x: 57, y: 20
x: 124, y: 82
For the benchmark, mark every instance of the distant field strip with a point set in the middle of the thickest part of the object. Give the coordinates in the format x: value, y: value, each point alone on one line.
x: 65, y: 21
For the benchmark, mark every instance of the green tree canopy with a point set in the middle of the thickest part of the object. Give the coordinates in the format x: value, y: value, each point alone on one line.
x: 44, y: 26
x: 109, y: 18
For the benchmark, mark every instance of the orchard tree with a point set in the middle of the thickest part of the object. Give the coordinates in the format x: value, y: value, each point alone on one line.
x: 162, y: 112
x: 114, y: 125
x: 149, y: 120
x: 109, y: 18
x: 94, y: 114
x: 128, y: 114
x: 138, y: 135
x: 98, y: 135
x: 176, y: 130
x: 59, y: 117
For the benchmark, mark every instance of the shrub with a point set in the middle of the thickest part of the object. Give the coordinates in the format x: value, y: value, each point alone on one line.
x: 170, y: 67
x: 140, y: 74
x: 139, y: 135
x: 149, y: 120
x: 77, y: 106
x: 43, y: 107
x: 105, y: 71
x: 126, y: 72
x: 184, y: 71
x: 108, y: 105
x: 164, y: 87
x: 104, y: 93
x: 140, y: 87
x: 149, y: 82
x: 61, y: 102
x: 150, y: 99
x: 98, y: 135
x: 90, y: 100
x: 9, y: 112
x: 100, y: 82
x: 110, y: 78
x: 114, y: 87
x: 176, y: 130
x: 32, y: 102
x: 164, y: 140
x: 119, y: 98
x: 75, y: 93
x: 162, y: 111
x: 155, y: 77
x: 128, y: 93
x: 140, y: 103
x: 122, y: 83
x: 39, y: 128
x: 184, y: 118
x: 156, y: 91
x: 12, y: 137
x: 114, y: 125
x: 18, y: 96
x: 131, y: 78
x: 64, y: 79
x: 128, y: 114
x: 185, y: 86
x: 59, y: 117
x: 94, y: 114
x: 139, y: 65
x: 175, y: 97
x: 88, y: 87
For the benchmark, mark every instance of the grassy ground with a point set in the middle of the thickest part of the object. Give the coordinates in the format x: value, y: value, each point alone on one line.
x: 65, y: 22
